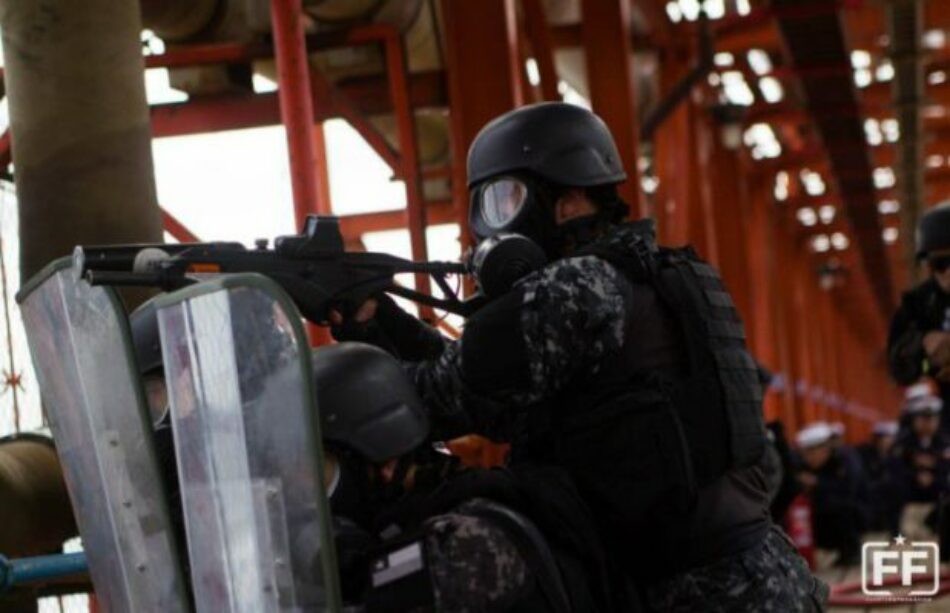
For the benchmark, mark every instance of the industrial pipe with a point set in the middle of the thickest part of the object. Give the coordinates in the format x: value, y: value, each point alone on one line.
x: 79, y: 118
x: 35, y: 516
x: 40, y: 568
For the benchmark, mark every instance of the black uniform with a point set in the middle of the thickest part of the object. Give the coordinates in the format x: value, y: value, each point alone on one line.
x: 911, y: 457
x: 841, y: 504
x: 883, y: 487
x: 584, y: 366
x: 925, y: 308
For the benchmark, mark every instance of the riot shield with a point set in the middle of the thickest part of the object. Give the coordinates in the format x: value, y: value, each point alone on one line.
x: 248, y: 448
x: 79, y: 340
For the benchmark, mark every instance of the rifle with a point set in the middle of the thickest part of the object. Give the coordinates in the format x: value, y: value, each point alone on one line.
x: 312, y: 267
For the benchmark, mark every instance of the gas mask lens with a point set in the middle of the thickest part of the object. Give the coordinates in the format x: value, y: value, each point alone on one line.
x: 501, y: 201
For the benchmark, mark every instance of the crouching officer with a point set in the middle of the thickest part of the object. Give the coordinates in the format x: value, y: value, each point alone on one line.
x: 435, y: 537
x: 919, y: 340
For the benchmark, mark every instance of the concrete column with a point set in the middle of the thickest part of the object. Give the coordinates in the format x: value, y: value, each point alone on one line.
x: 80, y: 123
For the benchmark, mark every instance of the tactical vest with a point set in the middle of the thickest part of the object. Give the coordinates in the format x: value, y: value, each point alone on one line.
x: 640, y: 442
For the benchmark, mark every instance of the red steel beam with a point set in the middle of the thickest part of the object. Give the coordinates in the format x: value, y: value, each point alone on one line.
x: 331, y: 97
x: 674, y: 159
x: 482, y: 64
x: 6, y: 149
x: 324, y: 204
x: 177, y: 229
x: 609, y: 55
x: 355, y: 226
x: 296, y: 110
x: 542, y: 45
x: 398, y: 69
x: 365, y: 96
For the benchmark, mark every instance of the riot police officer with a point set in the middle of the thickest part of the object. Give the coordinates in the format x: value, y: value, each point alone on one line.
x: 436, y: 537
x: 919, y: 340
x: 839, y: 492
x: 622, y: 362
x: 922, y: 453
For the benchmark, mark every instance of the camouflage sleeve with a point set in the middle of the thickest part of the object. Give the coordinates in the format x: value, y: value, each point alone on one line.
x: 558, y: 324
x: 473, y: 564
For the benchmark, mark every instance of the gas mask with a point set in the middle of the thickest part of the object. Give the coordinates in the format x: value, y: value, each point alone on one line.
x: 513, y: 216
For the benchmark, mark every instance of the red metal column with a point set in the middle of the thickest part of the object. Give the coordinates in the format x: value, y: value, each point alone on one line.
x: 293, y: 77
x: 539, y: 34
x: 705, y: 186
x: 672, y: 163
x: 324, y: 204
x: 296, y: 110
x: 760, y: 321
x: 408, y: 157
x: 787, y: 335
x: 729, y: 199
x: 608, y: 50
x: 482, y: 61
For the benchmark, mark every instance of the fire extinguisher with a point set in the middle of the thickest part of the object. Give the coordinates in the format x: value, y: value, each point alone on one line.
x: 799, y: 527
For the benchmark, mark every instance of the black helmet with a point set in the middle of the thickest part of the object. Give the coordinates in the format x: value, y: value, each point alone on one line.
x: 559, y: 142
x: 367, y: 402
x: 521, y: 163
x: 933, y: 231
x: 145, y: 338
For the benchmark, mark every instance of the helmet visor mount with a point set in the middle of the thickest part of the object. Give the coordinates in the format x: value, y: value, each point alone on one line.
x: 500, y: 201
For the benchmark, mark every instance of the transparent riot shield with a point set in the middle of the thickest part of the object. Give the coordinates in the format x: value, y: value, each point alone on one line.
x: 248, y: 447
x: 81, y: 348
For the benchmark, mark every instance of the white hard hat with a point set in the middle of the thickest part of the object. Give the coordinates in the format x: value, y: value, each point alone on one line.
x: 814, y: 435
x: 920, y: 398
x: 885, y: 428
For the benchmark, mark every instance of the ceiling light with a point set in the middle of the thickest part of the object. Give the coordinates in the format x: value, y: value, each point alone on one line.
x: 814, y: 184
x: 761, y: 138
x: 673, y: 12
x: 890, y: 235
x: 649, y: 183
x: 690, y: 9
x: 806, y: 216
x: 781, y: 186
x: 826, y: 213
x: 724, y: 59
x: 860, y: 59
x: 759, y: 61
x: 888, y: 207
x: 737, y: 90
x: 534, y: 75
x: 839, y: 241
x: 872, y: 130
x: 862, y: 77
x: 771, y: 89
x: 885, y: 71
x: 884, y: 177
x: 934, y: 161
x: 891, y: 129
x: 938, y: 77
x: 743, y: 7
x: 715, y: 9
x: 934, y: 39
x: 820, y: 243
